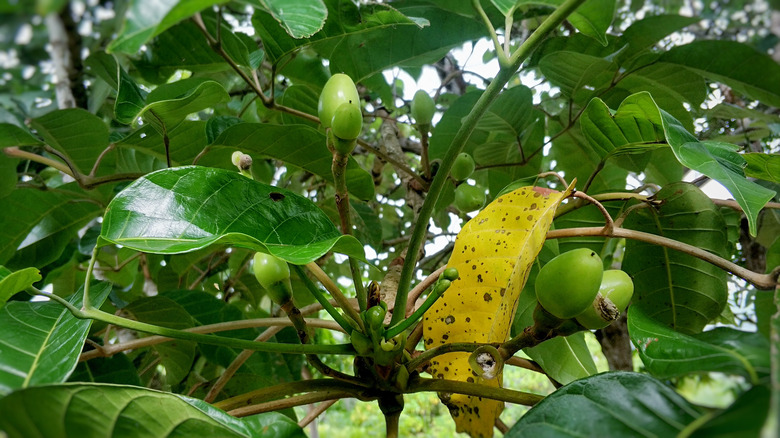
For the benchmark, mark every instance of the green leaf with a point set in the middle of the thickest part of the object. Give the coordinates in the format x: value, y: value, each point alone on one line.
x: 741, y: 67
x: 176, y: 356
x: 298, y: 145
x: 76, y: 133
x: 117, y: 369
x: 577, y: 74
x: 13, y: 282
x: 146, y: 20
x: 611, y: 404
x: 763, y: 166
x: 187, y: 208
x: 593, y: 18
x: 30, y: 216
x: 677, y: 289
x: 12, y: 135
x: 300, y: 18
x: 745, y: 417
x: 127, y: 411
x: 168, y: 105
x: 645, y: 33
x: 667, y: 353
x: 42, y: 341
x: 353, y: 36
x: 185, y: 142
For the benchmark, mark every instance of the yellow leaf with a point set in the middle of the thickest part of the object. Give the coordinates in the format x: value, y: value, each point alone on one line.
x: 500, y: 244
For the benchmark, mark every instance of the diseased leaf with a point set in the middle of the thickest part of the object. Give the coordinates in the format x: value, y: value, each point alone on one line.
x: 188, y: 208
x: 667, y: 353
x: 677, y: 289
x: 611, y: 404
x: 42, y: 341
x: 493, y: 253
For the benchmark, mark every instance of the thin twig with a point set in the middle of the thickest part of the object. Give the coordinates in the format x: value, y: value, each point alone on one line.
x: 316, y: 412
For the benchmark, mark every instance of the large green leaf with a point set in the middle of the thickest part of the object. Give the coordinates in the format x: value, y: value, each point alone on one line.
x: 13, y: 282
x: 12, y: 135
x: 744, y: 418
x: 764, y: 166
x: 168, y: 105
x: 593, y: 18
x: 299, y: 145
x: 619, y: 404
x: 42, y: 341
x: 76, y: 133
x: 677, y: 289
x: 146, y: 20
x: 128, y: 411
x: 737, y: 65
x: 578, y: 74
x: 300, y: 18
x: 30, y: 217
x: 187, y: 208
x: 667, y: 353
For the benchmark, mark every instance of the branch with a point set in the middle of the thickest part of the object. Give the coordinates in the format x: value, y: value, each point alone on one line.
x: 474, y: 389
x: 761, y: 281
x: 282, y: 390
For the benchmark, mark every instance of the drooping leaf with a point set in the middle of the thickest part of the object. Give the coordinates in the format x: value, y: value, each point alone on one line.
x: 76, y: 133
x: 29, y: 217
x: 493, y: 253
x: 128, y: 411
x: 42, y: 341
x: 146, y: 20
x: 677, y: 289
x: 187, y: 208
x: 13, y: 282
x: 737, y: 65
x: 298, y: 145
x: 611, y: 404
x: 763, y: 166
x: 667, y: 353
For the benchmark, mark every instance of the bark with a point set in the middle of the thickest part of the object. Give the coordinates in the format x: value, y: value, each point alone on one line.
x: 616, y: 345
x: 65, y: 54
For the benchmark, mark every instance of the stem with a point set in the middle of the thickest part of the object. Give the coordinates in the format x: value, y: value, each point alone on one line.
x: 459, y: 141
x: 424, y: 160
x: 421, y: 287
x: 15, y: 152
x: 503, y: 61
x: 315, y: 412
x: 32, y: 290
x: 762, y: 281
x: 427, y: 355
x: 337, y: 295
x: 412, y: 319
x: 345, y: 349
x: 391, y: 424
x: 86, y: 304
x: 112, y: 349
x: 474, y: 389
x: 290, y: 402
x: 339, y: 169
x: 320, y: 297
x: 287, y: 389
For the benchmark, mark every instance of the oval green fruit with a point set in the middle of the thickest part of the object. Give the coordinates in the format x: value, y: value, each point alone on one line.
x: 375, y: 317
x: 469, y: 198
x: 463, y: 167
x: 568, y: 284
x: 617, y: 287
x: 273, y: 274
x: 347, y: 122
x: 338, y: 90
x: 423, y: 108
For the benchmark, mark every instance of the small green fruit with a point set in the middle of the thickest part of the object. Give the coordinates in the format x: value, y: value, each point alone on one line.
x: 375, y: 317
x: 568, y: 284
x: 347, y: 122
x: 450, y: 274
x: 463, y: 167
x: 469, y: 198
x: 423, y: 108
x: 338, y: 90
x: 617, y: 287
x: 273, y: 274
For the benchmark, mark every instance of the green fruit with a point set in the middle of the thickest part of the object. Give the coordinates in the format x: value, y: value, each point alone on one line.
x: 617, y: 287
x: 273, y: 274
x: 463, y: 167
x: 362, y: 344
x: 423, y: 108
x: 338, y: 90
x: 469, y: 198
x: 375, y: 317
x: 450, y: 274
x: 568, y: 284
x: 347, y: 122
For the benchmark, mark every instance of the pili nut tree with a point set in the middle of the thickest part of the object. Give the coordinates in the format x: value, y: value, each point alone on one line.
x: 214, y: 212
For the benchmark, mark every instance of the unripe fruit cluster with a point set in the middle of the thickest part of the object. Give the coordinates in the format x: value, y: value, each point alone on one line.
x: 339, y: 107
x: 574, y: 285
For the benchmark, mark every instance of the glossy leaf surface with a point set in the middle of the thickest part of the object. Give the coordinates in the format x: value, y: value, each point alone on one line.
x: 187, y: 208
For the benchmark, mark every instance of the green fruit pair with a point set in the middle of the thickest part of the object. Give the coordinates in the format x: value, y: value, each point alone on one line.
x: 339, y: 107
x: 612, y: 299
